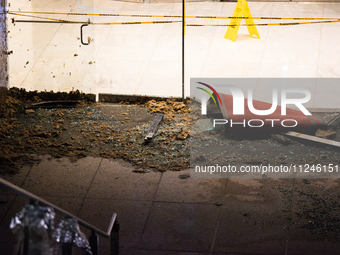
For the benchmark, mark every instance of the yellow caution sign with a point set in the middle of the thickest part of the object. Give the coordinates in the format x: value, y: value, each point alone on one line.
x: 241, y: 11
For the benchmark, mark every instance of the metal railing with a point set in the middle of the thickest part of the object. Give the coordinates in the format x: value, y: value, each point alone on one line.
x: 112, y: 231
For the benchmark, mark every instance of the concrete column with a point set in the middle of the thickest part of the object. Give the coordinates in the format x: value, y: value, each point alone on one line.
x: 4, y: 78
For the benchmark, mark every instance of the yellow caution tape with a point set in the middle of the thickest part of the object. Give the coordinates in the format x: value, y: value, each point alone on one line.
x: 274, y: 18
x: 52, y: 19
x: 135, y: 23
x: 266, y: 24
x: 103, y: 14
x: 104, y: 23
x: 168, y: 16
x: 166, y: 22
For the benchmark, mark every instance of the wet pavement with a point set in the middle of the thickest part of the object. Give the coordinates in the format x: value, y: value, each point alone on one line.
x: 166, y: 213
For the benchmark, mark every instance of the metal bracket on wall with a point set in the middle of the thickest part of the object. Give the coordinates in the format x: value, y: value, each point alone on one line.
x: 81, y: 34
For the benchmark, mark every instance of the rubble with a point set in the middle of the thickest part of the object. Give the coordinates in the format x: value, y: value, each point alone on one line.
x: 29, y: 111
x: 281, y: 139
x: 104, y: 130
x: 327, y: 134
x: 167, y: 107
x: 118, y: 131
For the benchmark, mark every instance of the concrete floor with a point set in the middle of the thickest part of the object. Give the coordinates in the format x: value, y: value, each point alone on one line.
x: 159, y: 213
x: 146, y: 59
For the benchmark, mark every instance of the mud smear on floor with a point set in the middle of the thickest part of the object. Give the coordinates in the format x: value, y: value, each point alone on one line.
x: 314, y: 207
x: 307, y: 208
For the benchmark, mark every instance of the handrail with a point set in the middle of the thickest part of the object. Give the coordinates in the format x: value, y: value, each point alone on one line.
x: 29, y: 195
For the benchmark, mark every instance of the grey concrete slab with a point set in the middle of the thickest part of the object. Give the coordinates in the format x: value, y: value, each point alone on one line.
x: 272, y: 247
x: 111, y: 169
x: 133, y: 251
x: 302, y: 247
x: 125, y: 190
x: 69, y: 204
x: 232, y: 253
x: 6, y: 195
x: 6, y: 202
x: 155, y: 252
x: 190, y: 190
x: 180, y: 227
x: 17, y: 179
x: 7, y: 248
x: 259, y: 190
x: 122, y: 251
x: 132, y: 216
x: 60, y: 177
x: 257, y: 227
x: 115, y: 180
x: 315, y: 220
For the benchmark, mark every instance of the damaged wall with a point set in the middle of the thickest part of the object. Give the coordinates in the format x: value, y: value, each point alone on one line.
x: 3, y: 51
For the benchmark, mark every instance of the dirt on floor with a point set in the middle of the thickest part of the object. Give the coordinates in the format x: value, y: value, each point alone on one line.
x: 94, y: 129
x: 35, y: 123
x: 315, y: 207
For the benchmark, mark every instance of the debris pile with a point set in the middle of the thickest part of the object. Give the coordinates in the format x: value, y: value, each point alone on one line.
x: 327, y: 134
x: 118, y: 131
x: 111, y: 131
x: 10, y: 107
x: 169, y: 107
